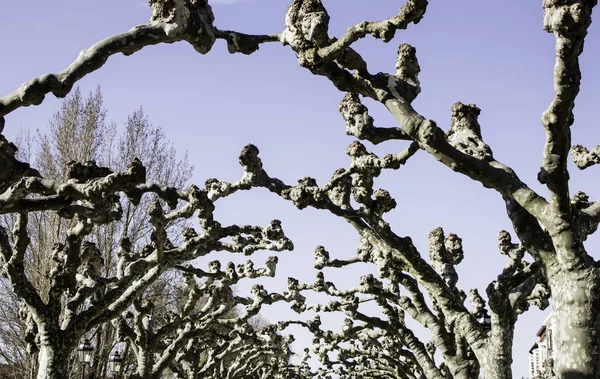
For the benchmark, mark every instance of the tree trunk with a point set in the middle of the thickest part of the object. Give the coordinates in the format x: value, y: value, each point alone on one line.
x: 144, y: 368
x: 95, y: 372
x: 464, y: 371
x: 495, y: 357
x: 461, y: 363
x: 576, y: 301
x: 53, y: 362
x: 496, y: 365
x: 55, y: 350
x: 32, y: 366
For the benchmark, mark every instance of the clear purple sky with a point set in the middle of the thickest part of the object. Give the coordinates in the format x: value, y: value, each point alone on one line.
x: 494, y: 54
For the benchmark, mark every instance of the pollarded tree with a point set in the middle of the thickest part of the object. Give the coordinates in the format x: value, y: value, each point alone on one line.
x: 552, y: 230
x: 83, y: 119
x: 240, y: 353
x: 81, y: 294
x: 464, y: 342
x: 362, y: 350
x: 158, y: 338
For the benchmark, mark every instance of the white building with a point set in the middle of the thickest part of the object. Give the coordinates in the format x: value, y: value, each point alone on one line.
x: 543, y: 349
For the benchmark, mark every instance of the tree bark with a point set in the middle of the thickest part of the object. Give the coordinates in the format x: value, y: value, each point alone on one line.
x: 53, y: 360
x: 496, y: 363
x: 467, y: 369
x: 144, y: 369
x: 576, y: 301
x: 495, y: 356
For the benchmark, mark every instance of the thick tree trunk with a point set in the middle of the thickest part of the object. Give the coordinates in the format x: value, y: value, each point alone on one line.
x: 494, y: 354
x: 144, y: 369
x: 53, y: 362
x: 576, y: 301
x: 497, y: 364
x: 463, y: 365
x: 55, y: 349
x: 464, y: 371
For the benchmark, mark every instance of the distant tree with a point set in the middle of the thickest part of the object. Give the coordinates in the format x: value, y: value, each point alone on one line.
x: 198, y: 320
x: 359, y: 351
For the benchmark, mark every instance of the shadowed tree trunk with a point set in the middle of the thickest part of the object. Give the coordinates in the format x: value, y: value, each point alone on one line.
x: 576, y: 302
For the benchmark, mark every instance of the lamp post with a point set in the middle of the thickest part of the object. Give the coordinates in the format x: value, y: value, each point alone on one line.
x: 114, y: 363
x: 483, y: 317
x: 85, y: 355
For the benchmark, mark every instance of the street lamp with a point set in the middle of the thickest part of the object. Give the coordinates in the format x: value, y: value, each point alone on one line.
x: 85, y: 355
x: 483, y: 317
x: 114, y: 363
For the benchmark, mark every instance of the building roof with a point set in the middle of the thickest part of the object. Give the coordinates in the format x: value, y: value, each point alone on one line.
x: 540, y: 333
x: 535, y: 346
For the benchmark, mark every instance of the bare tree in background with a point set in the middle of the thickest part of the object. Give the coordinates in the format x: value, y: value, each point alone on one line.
x: 550, y: 230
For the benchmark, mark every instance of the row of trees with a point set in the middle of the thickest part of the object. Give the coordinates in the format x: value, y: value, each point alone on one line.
x: 179, y: 317
x: 82, y: 292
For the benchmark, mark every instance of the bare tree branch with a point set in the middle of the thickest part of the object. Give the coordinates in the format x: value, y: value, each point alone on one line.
x: 172, y: 21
